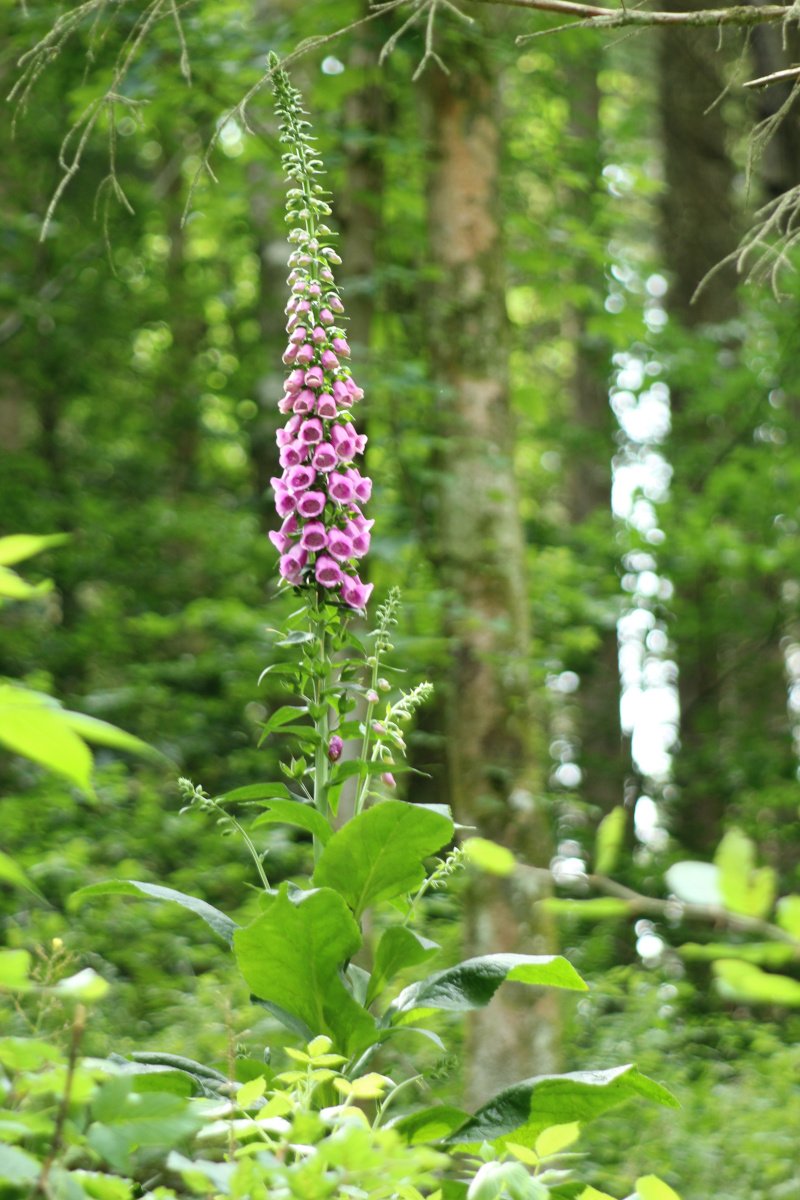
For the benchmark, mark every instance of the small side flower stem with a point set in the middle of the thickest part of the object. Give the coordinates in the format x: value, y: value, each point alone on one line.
x: 363, y: 779
x: 253, y: 851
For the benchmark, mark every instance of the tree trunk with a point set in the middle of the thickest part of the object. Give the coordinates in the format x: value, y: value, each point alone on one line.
x: 726, y: 628
x: 493, y: 744
x: 602, y: 755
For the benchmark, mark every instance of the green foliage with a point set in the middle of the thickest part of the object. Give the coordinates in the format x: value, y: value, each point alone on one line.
x: 155, y: 452
x: 380, y: 854
x: 172, y: 1116
x: 291, y: 957
x: 732, y: 891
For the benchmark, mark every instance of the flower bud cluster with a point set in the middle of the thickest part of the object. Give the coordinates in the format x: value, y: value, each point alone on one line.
x: 321, y: 493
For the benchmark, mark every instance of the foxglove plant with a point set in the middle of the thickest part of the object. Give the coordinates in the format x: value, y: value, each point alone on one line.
x: 320, y: 494
x: 305, y: 955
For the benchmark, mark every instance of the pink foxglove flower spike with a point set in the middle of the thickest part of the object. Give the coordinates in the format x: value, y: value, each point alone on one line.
x: 321, y: 492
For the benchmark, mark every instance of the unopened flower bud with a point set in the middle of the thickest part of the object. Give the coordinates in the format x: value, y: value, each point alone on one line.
x: 372, y: 696
x: 335, y: 747
x: 384, y: 685
x: 388, y: 778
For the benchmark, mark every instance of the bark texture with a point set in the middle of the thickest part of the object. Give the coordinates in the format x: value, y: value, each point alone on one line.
x: 734, y: 733
x: 603, y: 756
x: 494, y: 758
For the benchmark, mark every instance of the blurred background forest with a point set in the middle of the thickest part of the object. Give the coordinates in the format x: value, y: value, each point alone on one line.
x: 587, y: 487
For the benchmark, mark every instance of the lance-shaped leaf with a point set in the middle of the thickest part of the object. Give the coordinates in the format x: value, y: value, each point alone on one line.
x: 19, y: 546
x: 379, y: 855
x: 102, y: 734
x: 471, y: 984
x: 527, y: 1108
x: 222, y: 925
x: 293, y: 812
x: 291, y: 957
x: 398, y: 948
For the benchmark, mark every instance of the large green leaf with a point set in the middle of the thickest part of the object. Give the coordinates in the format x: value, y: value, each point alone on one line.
x: 292, y: 812
x: 398, y: 948
x: 471, y: 984
x: 527, y: 1108
x: 291, y: 957
x: 379, y: 854
x: 218, y: 921
x: 32, y: 725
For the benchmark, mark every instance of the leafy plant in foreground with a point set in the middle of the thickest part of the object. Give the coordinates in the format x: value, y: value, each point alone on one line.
x: 331, y: 1124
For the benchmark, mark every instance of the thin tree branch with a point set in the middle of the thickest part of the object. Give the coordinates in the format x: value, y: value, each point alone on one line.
x: 775, y: 77
x: 710, y: 913
x: 597, y: 17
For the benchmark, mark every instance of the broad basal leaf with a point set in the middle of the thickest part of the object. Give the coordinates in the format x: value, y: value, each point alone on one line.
x: 472, y: 984
x: 379, y: 854
x: 218, y: 921
x: 527, y: 1108
x: 291, y: 957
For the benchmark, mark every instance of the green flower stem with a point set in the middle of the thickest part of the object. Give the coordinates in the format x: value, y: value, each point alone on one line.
x: 322, y: 722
